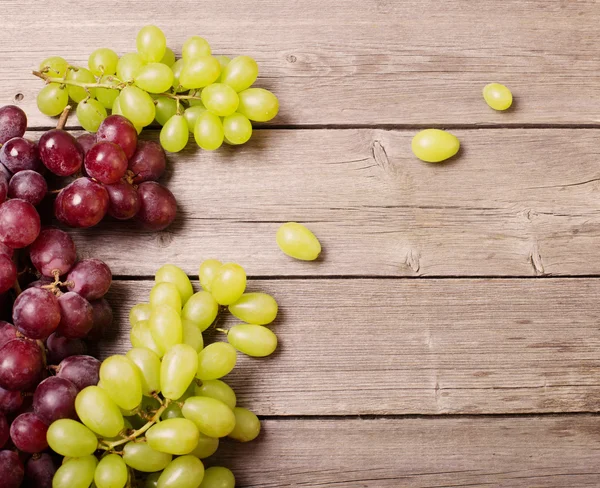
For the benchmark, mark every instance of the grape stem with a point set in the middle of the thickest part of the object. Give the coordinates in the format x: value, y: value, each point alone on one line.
x: 62, y: 121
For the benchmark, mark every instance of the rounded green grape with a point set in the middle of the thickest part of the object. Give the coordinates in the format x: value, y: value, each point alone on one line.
x: 192, y: 335
x: 206, y: 446
x: 258, y: 104
x: 208, y: 132
x: 71, y: 438
x: 298, y: 242
x: 121, y: 379
x: 107, y: 96
x: 54, y: 66
x: 201, y: 309
x: 497, y: 96
x: 194, y: 47
x: 148, y: 364
x: 173, y: 274
x: 75, y: 473
x: 434, y: 145
x: 229, y: 284
x: 152, y: 480
x: 98, y: 412
x: 165, y: 109
x: 103, y: 61
x: 247, y: 425
x: 129, y: 66
x: 168, y: 58
x: 80, y: 75
x: 138, y: 312
x: 240, y: 73
x: 52, y: 99
x: 217, y: 389
x: 237, y: 129
x: 178, y: 369
x: 173, y: 436
x: 220, y: 99
x: 140, y: 335
x: 165, y: 325
x: 218, y: 477
x: 199, y: 72
x: 255, y: 308
x: 182, y: 472
x: 191, y: 115
x: 165, y: 293
x: 177, y: 68
x: 111, y: 472
x: 140, y: 456
x: 175, y: 134
x: 91, y: 114
x: 212, y: 417
x: 137, y: 106
x: 173, y: 411
x: 151, y: 43
x: 207, y: 272
x: 154, y: 78
x: 253, y: 340
x: 215, y: 361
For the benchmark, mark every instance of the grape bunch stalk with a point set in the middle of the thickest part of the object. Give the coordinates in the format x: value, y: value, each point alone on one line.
x: 208, y: 96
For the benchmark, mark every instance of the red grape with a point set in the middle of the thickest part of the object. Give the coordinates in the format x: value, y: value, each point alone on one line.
x: 76, y: 316
x: 20, y: 154
x: 124, y: 202
x: 149, y: 162
x: 11, y: 469
x: 117, y: 129
x: 4, y: 430
x: 4, y: 173
x: 28, y: 185
x: 83, y: 371
x: 86, y: 141
x: 103, y: 317
x: 7, y: 332
x: 53, y: 251
x: 28, y: 433
x: 158, y: 206
x: 90, y: 278
x: 60, y: 152
x: 8, y: 273
x: 10, y: 400
x: 60, y: 347
x: 21, y: 364
x: 19, y: 223
x: 54, y: 399
x: 39, y: 471
x: 5, y: 250
x: 106, y: 162
x: 83, y: 203
x: 13, y: 123
x: 36, y: 313
x: 3, y: 189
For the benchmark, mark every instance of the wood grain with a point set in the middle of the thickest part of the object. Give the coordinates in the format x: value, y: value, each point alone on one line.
x: 363, y: 62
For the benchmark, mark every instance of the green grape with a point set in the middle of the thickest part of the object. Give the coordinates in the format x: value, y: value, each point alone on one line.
x: 255, y: 308
x: 98, y: 412
x: 253, y: 340
x: 206, y: 446
x: 175, y: 134
x: 194, y: 47
x: 177, y: 68
x: 173, y: 411
x: 174, y: 436
x: 54, y: 66
x: 208, y: 132
x: 141, y: 336
x: 140, y: 456
x: 182, y: 472
x: 76, y: 473
x: 148, y: 364
x: 223, y: 61
x: 298, y: 242
x: 197, y: 94
x: 90, y: 114
x: 216, y: 361
x: 229, y: 284
x: 103, y: 61
x: 237, y: 129
x: 208, y: 271
x: 217, y: 477
x: 434, y: 145
x: 218, y: 390
x: 201, y: 309
x: 151, y: 43
x: 152, y: 480
x: 212, y: 417
x: 107, y: 96
x: 178, y: 369
x: 191, y: 115
x: 116, y: 108
x: 199, y: 72
x: 165, y: 109
x: 137, y: 106
x: 165, y: 293
x: 149, y: 404
x: 71, y: 438
x: 111, y: 472
x: 168, y: 58
x: 138, y: 312
x: 129, y: 66
x: 52, y: 99
x: 247, y: 425
x: 192, y: 335
x: 154, y: 78
x: 165, y: 325
x: 240, y: 73
x: 497, y: 96
x: 121, y: 379
x: 220, y: 99
x: 80, y: 75
x: 172, y: 274
x: 258, y: 104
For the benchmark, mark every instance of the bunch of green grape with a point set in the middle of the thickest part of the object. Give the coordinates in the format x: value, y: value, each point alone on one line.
x: 208, y: 96
x: 161, y: 407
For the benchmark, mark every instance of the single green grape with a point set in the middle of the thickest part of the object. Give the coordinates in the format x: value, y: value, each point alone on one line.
x: 148, y: 364
x: 223, y: 61
x: 237, y: 129
x: 220, y: 99
x: 212, y: 417
x: 149, y: 405
x: 258, y: 104
x: 208, y: 132
x: 98, y: 412
x: 103, y: 61
x: 71, y: 438
x: 154, y: 78
x: 168, y: 58
x: 173, y: 436
x: 80, y: 75
x: 182, y: 472
x: 215, y: 361
x: 165, y: 293
x: 140, y: 456
x: 91, y: 113
x: 206, y: 446
x: 192, y: 335
x: 175, y: 134
x: 107, y: 96
x: 240, y: 73
x: 194, y: 47
x: 75, y: 473
x: 165, y: 109
x: 191, y: 115
x: 111, y: 472
x: 178, y: 369
x: 173, y: 411
x: 201, y: 309
x: 199, y: 72
x: 152, y: 480
x: 52, y: 99
x: 177, y: 68
x: 137, y: 106
x: 217, y: 477
x: 217, y: 389
x: 165, y: 325
x: 140, y: 335
x: 54, y: 66
x: 207, y: 272
x: 247, y: 425
x: 151, y: 43
x: 434, y: 145
x: 253, y: 340
x: 229, y: 284
x: 196, y: 100
x: 129, y: 66
x: 173, y: 274
x: 255, y: 308
x: 298, y: 242
x: 121, y: 379
x: 497, y: 96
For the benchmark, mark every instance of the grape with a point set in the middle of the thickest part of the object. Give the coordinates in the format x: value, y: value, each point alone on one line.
x: 54, y: 399
x: 5, y: 430
x: 240, y: 73
x: 212, y: 417
x: 216, y: 361
x: 229, y: 284
x: 182, y: 472
x: 107, y: 96
x: 86, y: 141
x: 129, y: 66
x: 151, y: 43
x: 201, y: 309
x: 194, y: 47
x: 165, y: 109
x: 208, y: 271
x: 177, y: 68
x: 121, y: 379
x: 121, y: 131
x: 298, y: 242
x: 165, y: 325
x: 165, y: 294
x: 173, y: 436
x: 28, y: 433
x: 6, y: 251
x: 3, y: 188
x: 158, y: 206
x: 178, y: 369
x: 7, y: 333
x: 217, y: 389
x: 103, y: 61
x: 111, y: 472
x: 10, y: 400
x: 253, y: 340
x: 29, y: 186
x: 8, y: 273
x: 170, y: 273
x: 13, y: 123
x: 199, y: 72
x: 142, y: 457
x: 497, y: 96
x: 223, y: 61
x: 220, y: 99
x: 21, y: 364
x: 54, y: 66
x: 53, y: 251
x: 36, y: 313
x: 247, y: 425
x: 83, y: 203
x: 20, y: 154
x: 255, y: 308
x: 434, y: 145
x: 191, y: 116
x: 149, y: 369
x: 206, y: 446
x: 11, y: 469
x: 80, y: 75
x: 123, y: 198
x: 137, y: 106
x: 76, y: 473
x: 208, y: 132
x: 39, y: 471
x: 102, y: 318
x: 192, y: 335
x: 82, y: 371
x: 141, y: 336
x: 258, y: 104
x: 175, y: 134
x: 90, y: 278
x: 154, y: 78
x: 148, y: 163
x: 76, y: 316
x: 237, y: 129
x: 90, y: 114
x: 106, y: 162
x: 173, y: 411
x: 52, y: 99
x: 138, y: 312
x: 169, y: 57
x: 98, y: 412
x: 71, y: 438
x: 218, y: 477
x: 60, y: 152
x: 60, y: 348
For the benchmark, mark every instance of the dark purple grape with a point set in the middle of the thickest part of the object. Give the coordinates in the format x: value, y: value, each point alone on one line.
x: 83, y: 371
x: 90, y: 278
x: 83, y: 203
x: 5, y: 250
x: 158, y: 206
x: 60, y: 152
x: 36, y: 313
x: 3, y: 189
x: 8, y: 273
x: 28, y: 185
x: 10, y: 401
x: 149, y: 162
x: 60, y: 347
x: 53, y: 251
x: 4, y: 430
x: 103, y: 317
x: 117, y: 129
x: 39, y: 471
x: 13, y: 123
x: 76, y: 316
x: 20, y: 154
x: 19, y: 223
x: 21, y: 364
x: 106, y: 162
x: 7, y: 332
x: 54, y: 399
x: 4, y: 173
x: 86, y: 141
x: 11, y: 469
x: 123, y: 199
x: 28, y: 433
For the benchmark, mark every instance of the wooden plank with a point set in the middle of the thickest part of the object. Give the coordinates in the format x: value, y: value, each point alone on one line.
x: 513, y: 203
x: 360, y: 62
x: 416, y: 346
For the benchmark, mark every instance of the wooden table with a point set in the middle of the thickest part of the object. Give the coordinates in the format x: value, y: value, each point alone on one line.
x: 450, y: 334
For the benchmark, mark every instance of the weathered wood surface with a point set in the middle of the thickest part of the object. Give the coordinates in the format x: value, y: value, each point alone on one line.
x: 351, y: 62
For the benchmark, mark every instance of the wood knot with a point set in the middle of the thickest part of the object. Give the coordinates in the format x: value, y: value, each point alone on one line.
x: 535, y: 258
x: 413, y: 260
x: 381, y: 158
x: 164, y: 239
x: 291, y: 58
x: 19, y: 97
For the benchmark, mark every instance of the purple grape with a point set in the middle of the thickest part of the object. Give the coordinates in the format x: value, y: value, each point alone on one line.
x: 28, y: 433
x: 4, y: 430
x: 90, y: 278
x: 13, y: 123
x: 54, y: 399
x: 149, y: 162
x: 21, y: 364
x: 10, y: 401
x: 60, y: 152
x: 19, y: 223
x: 83, y: 371
x: 3, y: 189
x: 117, y: 129
x: 103, y: 317
x: 29, y: 186
x: 36, y: 313
x: 5, y: 250
x: 158, y: 206
x: 39, y: 471
x: 7, y: 332
x: 20, y: 154
x: 53, y: 251
x: 83, y: 203
x: 8, y: 273
x: 60, y: 347
x: 106, y: 162
x: 86, y: 141
x: 124, y: 202
x: 76, y: 316
x: 4, y: 173
x: 11, y: 469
